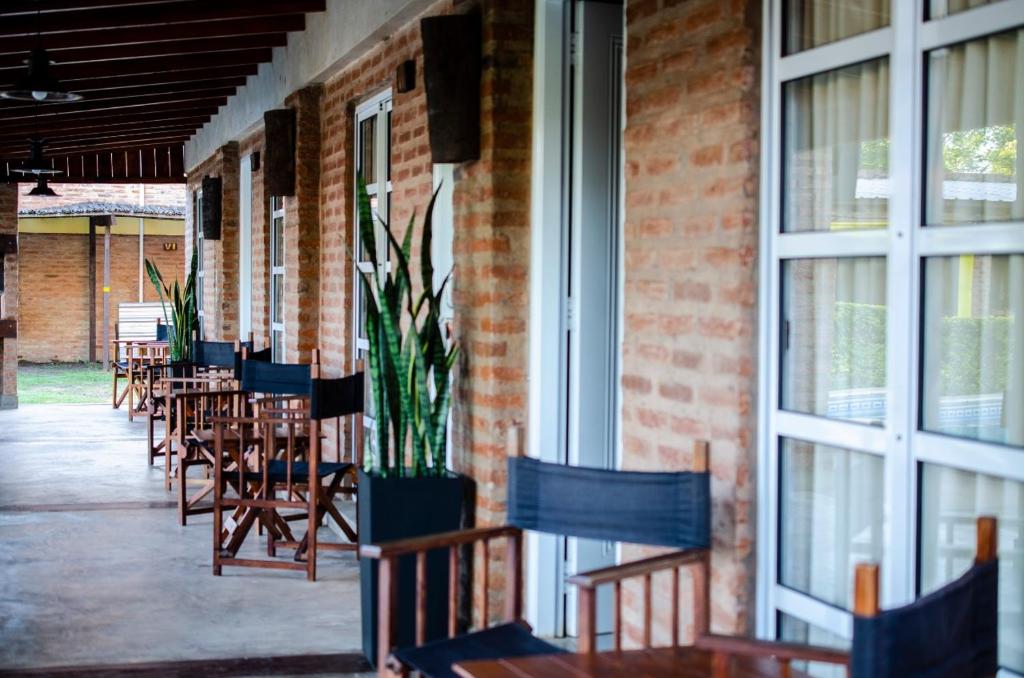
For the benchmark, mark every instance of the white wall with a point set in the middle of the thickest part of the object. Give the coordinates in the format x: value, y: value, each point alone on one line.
x: 332, y: 39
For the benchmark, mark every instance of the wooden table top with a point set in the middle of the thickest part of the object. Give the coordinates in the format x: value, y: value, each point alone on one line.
x: 680, y: 662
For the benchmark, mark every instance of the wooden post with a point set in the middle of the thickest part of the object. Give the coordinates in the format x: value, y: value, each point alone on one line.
x: 106, y: 301
x: 386, y: 609
x: 988, y: 539
x: 92, y: 294
x: 587, y: 621
x: 865, y: 590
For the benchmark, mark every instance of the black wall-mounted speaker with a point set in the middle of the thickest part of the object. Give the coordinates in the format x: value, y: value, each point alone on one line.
x: 451, y: 77
x: 211, y: 208
x: 279, y: 152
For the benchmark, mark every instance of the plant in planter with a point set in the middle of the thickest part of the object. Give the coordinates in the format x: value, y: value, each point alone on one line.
x: 409, y: 368
x: 184, y: 315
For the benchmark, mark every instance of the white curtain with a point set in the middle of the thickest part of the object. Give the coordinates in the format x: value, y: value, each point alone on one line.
x: 976, y: 86
x: 834, y: 121
x: 818, y: 22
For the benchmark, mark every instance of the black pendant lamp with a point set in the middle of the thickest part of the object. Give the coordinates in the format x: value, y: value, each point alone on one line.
x: 42, y: 189
x: 37, y: 164
x: 38, y: 84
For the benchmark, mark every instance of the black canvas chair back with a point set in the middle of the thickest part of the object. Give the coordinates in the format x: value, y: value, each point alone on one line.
x: 276, y: 378
x: 951, y: 632
x: 162, y: 332
x: 331, y: 398
x: 218, y: 353
x: 663, y: 509
x: 263, y: 356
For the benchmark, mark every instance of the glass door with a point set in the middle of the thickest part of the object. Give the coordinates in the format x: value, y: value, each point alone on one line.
x: 892, y: 381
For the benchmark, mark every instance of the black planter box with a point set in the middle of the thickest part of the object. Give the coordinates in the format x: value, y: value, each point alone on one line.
x: 399, y: 508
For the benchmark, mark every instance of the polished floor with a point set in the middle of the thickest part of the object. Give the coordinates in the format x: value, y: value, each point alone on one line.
x: 95, y: 571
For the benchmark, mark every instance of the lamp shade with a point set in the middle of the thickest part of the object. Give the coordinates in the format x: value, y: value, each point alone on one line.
x: 38, y: 84
x: 42, y: 189
x: 37, y: 164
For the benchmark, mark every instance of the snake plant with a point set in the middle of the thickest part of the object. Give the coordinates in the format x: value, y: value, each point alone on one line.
x: 410, y: 362
x: 184, y: 318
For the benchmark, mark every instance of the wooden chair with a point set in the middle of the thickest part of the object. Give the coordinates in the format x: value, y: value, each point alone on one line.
x: 951, y: 632
x: 280, y: 468
x: 662, y: 509
x: 121, y: 350
x: 215, y: 365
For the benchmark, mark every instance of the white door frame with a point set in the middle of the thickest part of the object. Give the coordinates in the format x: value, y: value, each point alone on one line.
x: 549, y: 312
x: 547, y: 387
x: 245, y: 247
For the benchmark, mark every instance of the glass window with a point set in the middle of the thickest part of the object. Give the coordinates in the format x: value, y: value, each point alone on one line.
x: 975, y: 121
x: 973, y: 362
x: 833, y: 338
x: 793, y: 630
x: 367, y: 131
x: 836, y: 150
x: 951, y: 501
x: 940, y: 8
x: 831, y: 518
x: 812, y: 23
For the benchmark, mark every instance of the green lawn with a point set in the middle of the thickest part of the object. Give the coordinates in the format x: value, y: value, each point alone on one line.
x: 68, y: 383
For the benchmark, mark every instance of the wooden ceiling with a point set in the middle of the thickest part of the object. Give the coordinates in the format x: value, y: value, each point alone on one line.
x: 151, y: 73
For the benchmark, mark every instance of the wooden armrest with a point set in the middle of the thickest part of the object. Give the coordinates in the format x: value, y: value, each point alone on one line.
x: 403, y: 547
x: 196, y: 395
x: 607, y: 575
x: 752, y: 647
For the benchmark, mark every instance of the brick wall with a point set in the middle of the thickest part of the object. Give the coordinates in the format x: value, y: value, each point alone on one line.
x: 55, y: 275
x: 260, y: 217
x: 692, y: 141
x: 411, y: 177
x: 70, y: 194
x: 492, y: 253
x: 220, y: 257
x: 9, y: 347
x: 302, y: 231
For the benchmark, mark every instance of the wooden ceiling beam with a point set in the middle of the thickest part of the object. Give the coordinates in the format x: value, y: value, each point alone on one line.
x: 24, y: 131
x: 135, y: 142
x: 69, y: 73
x: 153, y: 15
x: 236, y: 75
x: 213, y: 97
x: 17, y: 145
x: 108, y: 53
x: 21, y: 44
x: 64, y: 112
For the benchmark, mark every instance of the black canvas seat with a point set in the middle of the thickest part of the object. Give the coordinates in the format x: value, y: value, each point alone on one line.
x: 509, y: 640
x: 278, y: 469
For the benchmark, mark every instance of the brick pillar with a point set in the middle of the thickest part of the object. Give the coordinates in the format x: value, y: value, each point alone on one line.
x: 302, y: 230
x: 492, y: 253
x: 691, y: 235
x: 9, y: 347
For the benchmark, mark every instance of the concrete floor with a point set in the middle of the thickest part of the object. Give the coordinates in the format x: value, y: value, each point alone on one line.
x: 94, y: 568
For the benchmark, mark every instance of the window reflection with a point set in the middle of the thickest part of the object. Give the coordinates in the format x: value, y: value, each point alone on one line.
x: 836, y: 150
x: 975, y: 119
x: 973, y: 367
x: 834, y: 329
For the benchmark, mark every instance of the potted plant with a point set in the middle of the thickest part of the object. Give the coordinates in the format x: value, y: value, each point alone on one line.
x: 409, y: 368
x: 184, y: 315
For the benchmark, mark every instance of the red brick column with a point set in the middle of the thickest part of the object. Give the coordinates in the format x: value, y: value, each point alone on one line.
x: 492, y: 217
x: 691, y: 268
x: 302, y: 231
x: 9, y: 347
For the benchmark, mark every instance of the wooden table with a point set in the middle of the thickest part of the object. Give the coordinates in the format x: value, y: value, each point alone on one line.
x: 662, y: 661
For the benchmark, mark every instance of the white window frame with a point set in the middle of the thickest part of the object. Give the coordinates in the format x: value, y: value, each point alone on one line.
x: 904, y: 243
x: 277, y: 220
x: 380, y: 103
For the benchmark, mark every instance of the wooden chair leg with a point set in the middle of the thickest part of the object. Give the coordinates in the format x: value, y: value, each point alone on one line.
x: 182, y: 489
